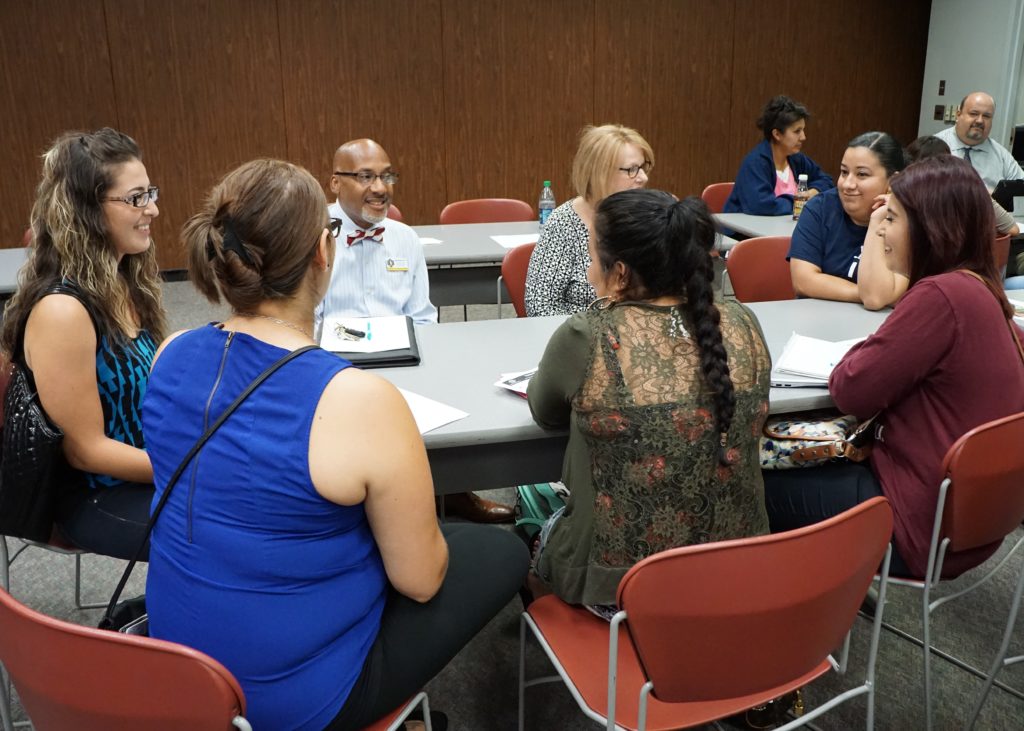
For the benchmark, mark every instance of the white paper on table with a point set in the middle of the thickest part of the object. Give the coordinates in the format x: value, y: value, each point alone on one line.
x: 382, y: 333
x: 812, y: 357
x: 1018, y: 306
x: 429, y: 240
x: 511, y: 241
x: 430, y: 414
x: 516, y: 382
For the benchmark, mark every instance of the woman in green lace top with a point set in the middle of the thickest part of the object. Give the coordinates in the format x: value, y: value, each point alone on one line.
x: 664, y: 393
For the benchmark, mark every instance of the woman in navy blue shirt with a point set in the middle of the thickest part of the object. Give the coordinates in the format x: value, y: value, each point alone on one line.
x: 824, y: 255
x: 766, y: 181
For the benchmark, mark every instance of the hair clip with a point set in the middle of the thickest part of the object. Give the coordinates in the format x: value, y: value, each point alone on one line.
x: 231, y: 242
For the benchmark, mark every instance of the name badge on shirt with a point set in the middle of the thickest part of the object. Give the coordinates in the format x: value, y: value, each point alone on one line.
x: 397, y: 265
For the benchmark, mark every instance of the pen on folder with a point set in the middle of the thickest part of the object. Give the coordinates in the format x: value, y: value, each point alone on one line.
x: 349, y: 333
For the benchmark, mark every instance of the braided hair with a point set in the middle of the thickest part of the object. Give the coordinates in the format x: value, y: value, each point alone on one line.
x: 665, y: 245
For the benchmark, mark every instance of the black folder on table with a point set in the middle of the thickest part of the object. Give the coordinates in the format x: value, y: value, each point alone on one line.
x: 388, y: 358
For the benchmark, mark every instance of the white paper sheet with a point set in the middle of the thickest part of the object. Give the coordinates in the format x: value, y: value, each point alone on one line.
x: 430, y: 414
x: 516, y: 382
x: 380, y: 334
x: 812, y: 357
x: 511, y: 241
x: 429, y: 240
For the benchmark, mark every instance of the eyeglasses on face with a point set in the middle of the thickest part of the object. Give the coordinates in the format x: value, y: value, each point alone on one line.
x: 366, y: 177
x: 334, y: 226
x: 141, y: 199
x: 632, y: 170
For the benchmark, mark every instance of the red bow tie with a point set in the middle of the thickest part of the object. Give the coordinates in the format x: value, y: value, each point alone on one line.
x: 374, y: 234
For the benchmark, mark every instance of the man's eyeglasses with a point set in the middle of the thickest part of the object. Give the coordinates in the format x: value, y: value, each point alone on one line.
x: 139, y: 200
x: 366, y: 178
x: 334, y: 226
x: 632, y: 170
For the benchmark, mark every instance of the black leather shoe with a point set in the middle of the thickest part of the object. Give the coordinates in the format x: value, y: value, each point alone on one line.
x: 472, y: 507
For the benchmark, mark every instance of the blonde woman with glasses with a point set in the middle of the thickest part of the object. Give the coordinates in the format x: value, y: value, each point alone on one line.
x: 609, y: 159
x: 84, y: 325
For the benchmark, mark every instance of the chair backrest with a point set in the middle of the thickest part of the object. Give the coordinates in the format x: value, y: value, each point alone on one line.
x: 394, y: 214
x: 721, y: 620
x: 758, y: 269
x: 986, y: 469
x: 74, y: 677
x: 1001, y: 251
x: 715, y: 195
x: 513, y: 273
x: 488, y: 210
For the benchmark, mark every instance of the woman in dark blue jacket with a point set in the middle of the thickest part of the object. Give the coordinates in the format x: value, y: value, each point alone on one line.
x: 767, y: 179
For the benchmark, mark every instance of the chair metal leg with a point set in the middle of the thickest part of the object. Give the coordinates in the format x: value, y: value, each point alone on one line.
x: 522, y: 660
x: 78, y: 587
x: 925, y: 616
x: 999, y: 661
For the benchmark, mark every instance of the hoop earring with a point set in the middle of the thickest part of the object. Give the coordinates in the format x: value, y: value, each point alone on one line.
x: 602, y: 303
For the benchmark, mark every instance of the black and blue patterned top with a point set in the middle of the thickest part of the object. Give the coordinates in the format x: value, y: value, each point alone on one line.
x: 122, y: 372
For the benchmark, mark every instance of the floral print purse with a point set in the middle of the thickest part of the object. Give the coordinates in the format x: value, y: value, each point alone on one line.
x: 813, y: 439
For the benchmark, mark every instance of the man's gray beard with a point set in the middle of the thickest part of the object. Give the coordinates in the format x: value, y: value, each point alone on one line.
x: 373, y: 217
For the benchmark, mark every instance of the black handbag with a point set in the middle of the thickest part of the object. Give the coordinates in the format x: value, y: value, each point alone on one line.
x: 33, y: 471
x: 116, y: 616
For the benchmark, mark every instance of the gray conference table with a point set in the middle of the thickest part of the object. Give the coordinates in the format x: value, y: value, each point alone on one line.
x: 10, y: 262
x: 744, y: 223
x: 498, y: 444
x: 465, y: 266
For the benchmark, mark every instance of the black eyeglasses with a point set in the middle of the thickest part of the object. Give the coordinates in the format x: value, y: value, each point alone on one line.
x: 632, y: 170
x: 334, y: 226
x: 139, y: 200
x: 366, y: 177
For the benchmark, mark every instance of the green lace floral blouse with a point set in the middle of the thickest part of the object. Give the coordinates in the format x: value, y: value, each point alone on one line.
x: 642, y: 463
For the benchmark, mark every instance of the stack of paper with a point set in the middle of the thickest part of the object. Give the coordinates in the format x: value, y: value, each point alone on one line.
x: 1017, y: 300
x: 511, y: 241
x: 812, y: 358
x: 516, y: 382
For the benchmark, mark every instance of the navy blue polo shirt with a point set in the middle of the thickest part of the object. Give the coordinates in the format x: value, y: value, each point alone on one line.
x: 826, y: 237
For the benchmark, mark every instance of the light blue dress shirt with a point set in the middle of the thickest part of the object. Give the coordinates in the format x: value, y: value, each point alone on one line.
x: 992, y: 161
x: 372, y: 279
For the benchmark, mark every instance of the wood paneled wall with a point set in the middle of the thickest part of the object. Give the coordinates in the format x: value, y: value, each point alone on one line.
x: 471, y: 98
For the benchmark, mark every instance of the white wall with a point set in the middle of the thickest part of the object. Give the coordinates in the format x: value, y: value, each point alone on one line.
x: 975, y: 45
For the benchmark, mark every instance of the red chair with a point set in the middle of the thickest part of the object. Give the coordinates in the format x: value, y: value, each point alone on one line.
x: 715, y: 195
x: 513, y: 274
x: 26, y: 240
x: 394, y: 214
x: 488, y: 210
x: 74, y: 677
x: 709, y: 630
x: 758, y: 269
x: 983, y: 468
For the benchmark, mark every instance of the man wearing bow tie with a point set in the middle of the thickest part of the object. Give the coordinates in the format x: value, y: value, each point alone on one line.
x: 379, y: 268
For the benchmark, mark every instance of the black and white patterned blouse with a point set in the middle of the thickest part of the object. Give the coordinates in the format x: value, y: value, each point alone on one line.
x: 556, y: 282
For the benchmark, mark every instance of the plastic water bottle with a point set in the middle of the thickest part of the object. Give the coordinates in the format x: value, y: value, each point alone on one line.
x: 801, y: 196
x: 546, y: 204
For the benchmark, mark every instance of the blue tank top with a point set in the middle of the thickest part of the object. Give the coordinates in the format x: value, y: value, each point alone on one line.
x: 248, y: 563
x: 122, y: 372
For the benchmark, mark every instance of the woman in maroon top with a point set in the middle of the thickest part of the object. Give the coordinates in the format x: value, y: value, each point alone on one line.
x: 943, y: 363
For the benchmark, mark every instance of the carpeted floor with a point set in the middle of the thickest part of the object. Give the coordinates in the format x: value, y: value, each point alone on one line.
x: 478, y: 689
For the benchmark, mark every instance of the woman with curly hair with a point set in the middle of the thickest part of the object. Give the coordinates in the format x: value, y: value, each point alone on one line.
x: 84, y: 325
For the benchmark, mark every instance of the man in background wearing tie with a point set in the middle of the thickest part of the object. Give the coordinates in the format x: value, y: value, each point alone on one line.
x: 969, y: 139
x: 379, y: 269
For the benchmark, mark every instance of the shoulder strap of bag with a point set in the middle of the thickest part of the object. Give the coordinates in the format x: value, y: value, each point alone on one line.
x: 1009, y: 321
x: 59, y: 286
x: 106, y: 623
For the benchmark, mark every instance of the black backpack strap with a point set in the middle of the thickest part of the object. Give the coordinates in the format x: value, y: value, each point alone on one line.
x: 106, y: 623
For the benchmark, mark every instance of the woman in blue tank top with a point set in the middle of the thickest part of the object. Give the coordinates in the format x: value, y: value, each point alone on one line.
x: 84, y: 324
x: 300, y: 547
